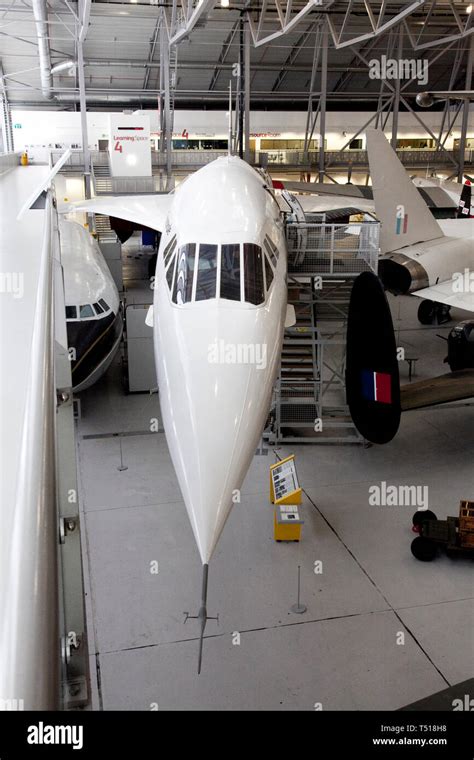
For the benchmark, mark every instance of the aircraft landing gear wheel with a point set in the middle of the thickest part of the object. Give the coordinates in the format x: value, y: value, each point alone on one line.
x: 433, y: 313
x: 423, y: 549
x: 427, y: 312
x: 443, y: 313
x: 419, y: 518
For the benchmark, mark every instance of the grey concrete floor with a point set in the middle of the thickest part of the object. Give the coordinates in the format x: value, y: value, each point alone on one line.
x: 346, y: 652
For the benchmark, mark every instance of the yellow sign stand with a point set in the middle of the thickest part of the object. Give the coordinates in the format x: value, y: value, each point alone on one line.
x: 284, y: 487
x: 285, y: 493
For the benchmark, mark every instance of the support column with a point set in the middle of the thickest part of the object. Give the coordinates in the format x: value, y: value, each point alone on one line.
x: 6, y: 126
x: 165, y: 137
x: 241, y: 81
x: 247, y: 91
x: 82, y: 102
x: 396, y: 100
x: 465, y: 113
x: 322, y: 100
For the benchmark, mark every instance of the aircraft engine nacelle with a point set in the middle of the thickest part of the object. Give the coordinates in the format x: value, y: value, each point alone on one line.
x: 461, y: 346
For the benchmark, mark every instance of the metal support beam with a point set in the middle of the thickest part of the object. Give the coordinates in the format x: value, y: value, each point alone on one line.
x: 83, y: 107
x: 322, y: 101
x: 396, y: 99
x: 247, y: 91
x: 151, y: 53
x: 465, y: 113
x: 241, y: 87
x: 7, y: 131
x: 295, y: 51
x: 223, y: 54
x: 166, y: 123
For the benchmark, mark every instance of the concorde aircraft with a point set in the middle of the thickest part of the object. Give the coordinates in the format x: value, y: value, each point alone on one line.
x: 219, y: 312
x: 93, y: 313
x: 420, y: 255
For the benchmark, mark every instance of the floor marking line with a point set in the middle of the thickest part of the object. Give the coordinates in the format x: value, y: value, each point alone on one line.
x: 378, y: 589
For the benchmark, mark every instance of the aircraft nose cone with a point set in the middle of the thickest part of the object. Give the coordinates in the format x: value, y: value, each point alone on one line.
x: 215, y: 390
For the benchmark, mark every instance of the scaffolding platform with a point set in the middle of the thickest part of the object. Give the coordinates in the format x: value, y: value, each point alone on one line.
x: 309, y: 396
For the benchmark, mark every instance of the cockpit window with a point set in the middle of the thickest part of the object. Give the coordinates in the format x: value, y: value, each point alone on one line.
x: 98, y: 308
x: 86, y: 311
x: 170, y: 273
x: 268, y: 273
x: 207, y: 272
x: 71, y: 312
x: 272, y: 250
x: 183, y: 284
x: 104, y: 304
x: 230, y: 272
x: 169, y: 250
x: 192, y: 273
x: 253, y: 274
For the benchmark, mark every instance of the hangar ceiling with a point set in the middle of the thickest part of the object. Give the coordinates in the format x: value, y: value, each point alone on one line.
x: 122, y: 41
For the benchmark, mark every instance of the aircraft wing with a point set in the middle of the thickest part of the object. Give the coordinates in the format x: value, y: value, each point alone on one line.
x: 454, y: 386
x: 326, y: 188
x: 435, y: 197
x: 445, y: 292
x: 321, y: 203
x: 144, y: 210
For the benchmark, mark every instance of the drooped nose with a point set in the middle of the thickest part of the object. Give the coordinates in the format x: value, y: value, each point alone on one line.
x: 216, y: 388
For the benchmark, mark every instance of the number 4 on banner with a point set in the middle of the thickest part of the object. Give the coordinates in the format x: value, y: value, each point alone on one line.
x: 118, y: 146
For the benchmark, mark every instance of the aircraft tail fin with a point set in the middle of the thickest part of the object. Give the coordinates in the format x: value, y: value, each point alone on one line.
x: 372, y: 378
x: 405, y: 217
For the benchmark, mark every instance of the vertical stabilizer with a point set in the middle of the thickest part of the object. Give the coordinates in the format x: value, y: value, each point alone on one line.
x: 404, y: 215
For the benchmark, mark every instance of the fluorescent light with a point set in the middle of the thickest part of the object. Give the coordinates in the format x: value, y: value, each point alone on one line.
x: 224, y: 3
x: 469, y: 9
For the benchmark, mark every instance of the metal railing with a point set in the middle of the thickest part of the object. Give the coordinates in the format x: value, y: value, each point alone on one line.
x: 188, y: 157
x: 332, y: 249
x: 76, y: 159
x: 29, y: 595
x: 357, y: 157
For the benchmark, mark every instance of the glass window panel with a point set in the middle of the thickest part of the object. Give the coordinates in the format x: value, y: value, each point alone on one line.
x: 207, y: 272
x: 268, y: 273
x: 183, y: 285
x: 230, y: 272
x: 169, y: 250
x: 104, y: 304
x: 71, y: 312
x: 271, y: 250
x: 98, y: 308
x: 253, y: 273
x: 86, y: 311
x: 170, y: 273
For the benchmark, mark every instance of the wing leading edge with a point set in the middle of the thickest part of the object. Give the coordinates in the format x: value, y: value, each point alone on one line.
x: 144, y: 210
x: 450, y: 292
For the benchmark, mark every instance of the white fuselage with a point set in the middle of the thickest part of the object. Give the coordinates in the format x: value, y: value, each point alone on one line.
x: 93, y: 319
x: 217, y: 352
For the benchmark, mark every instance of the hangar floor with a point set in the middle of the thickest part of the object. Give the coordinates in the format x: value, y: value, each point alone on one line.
x: 343, y: 652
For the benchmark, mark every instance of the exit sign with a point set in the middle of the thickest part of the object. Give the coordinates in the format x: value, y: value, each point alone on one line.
x: 17, y: 126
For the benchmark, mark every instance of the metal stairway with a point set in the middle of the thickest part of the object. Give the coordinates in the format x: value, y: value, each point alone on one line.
x: 102, y: 179
x: 309, y: 398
